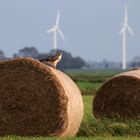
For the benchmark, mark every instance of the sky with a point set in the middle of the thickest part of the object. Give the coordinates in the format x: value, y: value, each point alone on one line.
x: 91, y: 27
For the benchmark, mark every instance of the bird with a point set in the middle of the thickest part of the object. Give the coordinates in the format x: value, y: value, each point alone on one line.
x: 136, y: 68
x: 52, y: 61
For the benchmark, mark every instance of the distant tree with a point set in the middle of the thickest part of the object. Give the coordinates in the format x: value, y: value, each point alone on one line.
x: 27, y: 52
x: 2, y: 55
x: 68, y: 61
x: 41, y: 56
x: 135, y: 62
x: 78, y: 62
x: 105, y: 64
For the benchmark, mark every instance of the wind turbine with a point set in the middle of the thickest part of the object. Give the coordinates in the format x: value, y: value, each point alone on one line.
x: 123, y: 32
x: 56, y: 30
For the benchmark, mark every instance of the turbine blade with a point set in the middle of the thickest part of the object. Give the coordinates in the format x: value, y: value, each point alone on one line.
x: 122, y: 30
x: 130, y: 30
x: 126, y: 14
x: 61, y: 34
x: 52, y: 29
x: 58, y: 18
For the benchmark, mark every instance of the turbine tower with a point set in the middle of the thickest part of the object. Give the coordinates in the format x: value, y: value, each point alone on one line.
x: 56, y: 30
x: 123, y: 32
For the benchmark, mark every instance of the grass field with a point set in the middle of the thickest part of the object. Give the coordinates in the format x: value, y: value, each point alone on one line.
x: 88, y: 88
x: 74, y: 138
x: 90, y: 81
x: 105, y: 127
x: 92, y: 129
x: 96, y: 76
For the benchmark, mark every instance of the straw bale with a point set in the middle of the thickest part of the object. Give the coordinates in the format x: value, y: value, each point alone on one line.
x: 119, y: 97
x: 37, y: 100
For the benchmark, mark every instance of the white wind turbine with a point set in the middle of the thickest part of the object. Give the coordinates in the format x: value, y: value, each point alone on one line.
x: 56, y: 30
x: 123, y: 31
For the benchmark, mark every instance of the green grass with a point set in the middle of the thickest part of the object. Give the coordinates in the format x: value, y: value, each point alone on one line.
x: 105, y: 127
x: 74, y: 138
x: 87, y: 106
x: 90, y: 81
x: 92, y: 72
x: 88, y: 88
x: 96, y: 76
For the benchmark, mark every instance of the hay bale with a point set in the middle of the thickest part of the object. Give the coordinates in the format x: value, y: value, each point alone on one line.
x: 119, y: 97
x: 37, y: 100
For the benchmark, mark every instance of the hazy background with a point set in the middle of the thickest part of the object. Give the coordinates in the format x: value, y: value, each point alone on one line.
x: 91, y: 27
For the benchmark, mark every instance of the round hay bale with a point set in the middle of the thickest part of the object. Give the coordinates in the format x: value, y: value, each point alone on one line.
x: 119, y: 97
x: 37, y: 100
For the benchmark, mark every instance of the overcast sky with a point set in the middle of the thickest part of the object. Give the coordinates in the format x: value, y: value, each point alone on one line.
x: 91, y: 27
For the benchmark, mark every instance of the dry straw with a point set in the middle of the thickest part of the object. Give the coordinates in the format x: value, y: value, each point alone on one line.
x: 119, y: 97
x: 37, y: 100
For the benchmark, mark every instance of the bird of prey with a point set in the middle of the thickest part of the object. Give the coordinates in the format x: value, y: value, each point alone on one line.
x: 52, y: 60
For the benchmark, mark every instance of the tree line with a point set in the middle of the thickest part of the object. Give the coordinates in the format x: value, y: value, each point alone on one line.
x: 67, y: 62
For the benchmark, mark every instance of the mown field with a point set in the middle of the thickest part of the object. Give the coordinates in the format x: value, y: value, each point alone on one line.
x: 105, y: 129
x: 89, y: 81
